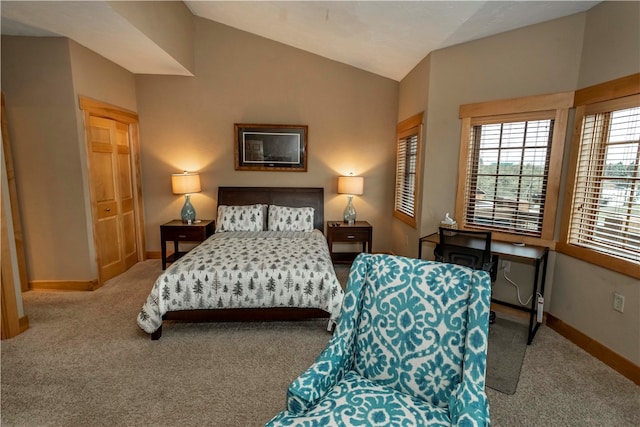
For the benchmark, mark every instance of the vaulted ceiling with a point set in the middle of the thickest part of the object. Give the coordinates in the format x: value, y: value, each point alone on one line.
x: 387, y: 38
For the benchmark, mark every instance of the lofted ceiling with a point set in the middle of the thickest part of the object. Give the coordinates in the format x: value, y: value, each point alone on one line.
x: 387, y: 38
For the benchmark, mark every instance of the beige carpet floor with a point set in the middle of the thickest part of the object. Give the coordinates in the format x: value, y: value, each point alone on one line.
x: 85, y: 362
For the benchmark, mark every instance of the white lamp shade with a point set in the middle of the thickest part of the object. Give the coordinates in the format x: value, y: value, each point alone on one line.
x: 353, y: 185
x: 185, y: 183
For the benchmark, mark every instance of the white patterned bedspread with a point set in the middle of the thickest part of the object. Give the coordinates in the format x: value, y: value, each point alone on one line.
x: 247, y: 270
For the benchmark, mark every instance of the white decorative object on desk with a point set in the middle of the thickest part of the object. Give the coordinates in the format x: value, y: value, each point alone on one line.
x: 449, y: 222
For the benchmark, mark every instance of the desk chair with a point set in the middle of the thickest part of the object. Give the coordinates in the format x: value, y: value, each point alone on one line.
x: 469, y: 248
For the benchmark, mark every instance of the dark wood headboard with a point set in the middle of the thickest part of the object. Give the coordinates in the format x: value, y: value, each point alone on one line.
x: 296, y: 197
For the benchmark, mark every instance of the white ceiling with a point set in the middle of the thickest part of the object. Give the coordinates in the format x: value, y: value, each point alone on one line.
x: 384, y: 37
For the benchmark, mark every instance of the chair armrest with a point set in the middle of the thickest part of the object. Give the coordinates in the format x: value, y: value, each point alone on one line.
x: 337, y: 358
x: 478, y: 311
x: 329, y: 368
x: 469, y: 406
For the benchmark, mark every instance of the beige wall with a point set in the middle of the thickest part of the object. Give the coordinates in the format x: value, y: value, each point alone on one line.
x: 560, y: 55
x: 97, y: 78
x: 38, y: 87
x: 583, y: 293
x: 539, y: 59
x: 168, y: 23
x: 41, y: 79
x: 187, y: 124
x: 414, y: 96
x: 611, y: 43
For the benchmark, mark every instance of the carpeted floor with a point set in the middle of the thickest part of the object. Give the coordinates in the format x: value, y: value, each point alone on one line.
x: 84, y: 362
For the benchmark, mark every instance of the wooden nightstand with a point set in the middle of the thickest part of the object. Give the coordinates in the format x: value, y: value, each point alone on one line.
x: 177, y: 231
x: 339, y: 231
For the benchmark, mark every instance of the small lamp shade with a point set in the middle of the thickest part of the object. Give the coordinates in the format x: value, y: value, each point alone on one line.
x: 353, y: 185
x: 186, y: 183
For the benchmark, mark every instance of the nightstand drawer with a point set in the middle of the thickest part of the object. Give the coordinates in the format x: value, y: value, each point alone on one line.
x: 349, y: 234
x: 185, y: 234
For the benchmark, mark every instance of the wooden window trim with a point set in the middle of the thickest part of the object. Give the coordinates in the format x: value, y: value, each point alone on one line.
x: 408, y: 127
x: 586, y: 101
x: 554, y: 105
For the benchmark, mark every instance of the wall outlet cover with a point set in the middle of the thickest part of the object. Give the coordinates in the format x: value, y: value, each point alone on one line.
x: 618, y: 302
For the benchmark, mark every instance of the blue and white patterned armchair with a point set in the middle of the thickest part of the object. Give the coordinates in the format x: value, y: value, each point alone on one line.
x: 409, y: 350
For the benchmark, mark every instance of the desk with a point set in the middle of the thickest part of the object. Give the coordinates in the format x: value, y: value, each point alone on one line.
x: 536, y: 254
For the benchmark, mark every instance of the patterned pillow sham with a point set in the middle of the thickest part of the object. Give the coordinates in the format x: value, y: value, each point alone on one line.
x: 283, y: 218
x: 240, y: 218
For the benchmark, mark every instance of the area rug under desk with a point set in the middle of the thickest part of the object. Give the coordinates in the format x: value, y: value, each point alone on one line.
x: 507, y: 345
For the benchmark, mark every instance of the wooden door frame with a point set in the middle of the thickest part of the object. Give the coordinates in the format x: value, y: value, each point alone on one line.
x: 11, y: 322
x: 92, y: 107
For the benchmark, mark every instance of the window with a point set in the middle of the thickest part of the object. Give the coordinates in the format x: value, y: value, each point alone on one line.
x: 409, y: 137
x: 508, y: 169
x: 602, y: 221
x: 510, y: 158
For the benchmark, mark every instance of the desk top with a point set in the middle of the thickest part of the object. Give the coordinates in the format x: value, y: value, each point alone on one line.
x: 498, y: 247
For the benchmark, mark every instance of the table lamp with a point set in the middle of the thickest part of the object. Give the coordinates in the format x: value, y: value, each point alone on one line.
x: 351, y: 186
x: 186, y: 183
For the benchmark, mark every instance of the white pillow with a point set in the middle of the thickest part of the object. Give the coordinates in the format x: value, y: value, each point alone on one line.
x: 240, y: 218
x: 282, y: 218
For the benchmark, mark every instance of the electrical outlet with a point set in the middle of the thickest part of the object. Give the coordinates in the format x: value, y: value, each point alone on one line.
x: 618, y: 302
x: 506, y: 266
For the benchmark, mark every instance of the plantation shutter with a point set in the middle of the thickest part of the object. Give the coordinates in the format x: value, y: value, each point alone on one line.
x: 605, y: 213
x: 507, y: 174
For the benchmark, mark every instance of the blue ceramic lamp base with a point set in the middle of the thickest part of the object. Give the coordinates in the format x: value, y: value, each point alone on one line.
x: 188, y: 213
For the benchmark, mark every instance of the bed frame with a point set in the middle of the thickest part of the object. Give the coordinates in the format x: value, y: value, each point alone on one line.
x: 297, y: 197
x: 282, y: 196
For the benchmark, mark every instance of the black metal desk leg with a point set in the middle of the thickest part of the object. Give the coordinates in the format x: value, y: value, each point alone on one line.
x: 533, y: 312
x: 534, y: 301
x: 544, y: 278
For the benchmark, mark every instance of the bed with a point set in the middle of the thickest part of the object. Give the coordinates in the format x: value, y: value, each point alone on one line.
x: 268, y: 260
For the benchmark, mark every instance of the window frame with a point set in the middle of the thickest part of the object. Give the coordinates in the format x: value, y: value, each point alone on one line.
x: 406, y: 129
x: 605, y: 97
x: 540, y: 107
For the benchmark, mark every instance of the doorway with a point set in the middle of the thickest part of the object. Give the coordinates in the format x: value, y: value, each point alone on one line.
x: 114, y: 182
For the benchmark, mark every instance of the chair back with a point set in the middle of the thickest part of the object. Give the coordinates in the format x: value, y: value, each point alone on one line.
x: 412, y: 325
x: 469, y: 248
